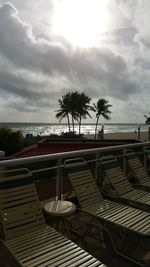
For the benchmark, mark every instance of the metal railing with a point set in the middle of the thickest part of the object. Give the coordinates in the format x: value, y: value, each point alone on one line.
x: 59, y: 157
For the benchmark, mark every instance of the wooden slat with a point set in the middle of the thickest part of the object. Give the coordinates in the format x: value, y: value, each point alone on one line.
x: 138, y: 169
x: 125, y: 189
x: 147, y: 183
x: 118, y: 214
x: 60, y: 252
x: 28, y: 238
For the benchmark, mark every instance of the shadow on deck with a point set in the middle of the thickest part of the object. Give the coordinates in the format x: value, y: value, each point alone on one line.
x: 75, y: 227
x: 93, y: 241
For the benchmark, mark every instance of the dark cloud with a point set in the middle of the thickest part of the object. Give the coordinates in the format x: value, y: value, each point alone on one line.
x: 37, y: 70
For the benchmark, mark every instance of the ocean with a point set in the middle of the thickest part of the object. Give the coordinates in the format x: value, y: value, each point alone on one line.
x: 44, y: 129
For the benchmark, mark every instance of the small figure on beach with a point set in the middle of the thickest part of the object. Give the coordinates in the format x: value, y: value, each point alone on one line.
x: 101, y: 133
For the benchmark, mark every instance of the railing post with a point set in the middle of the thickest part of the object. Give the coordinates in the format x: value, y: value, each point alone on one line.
x: 124, y: 164
x: 145, y: 160
x: 97, y: 166
x: 148, y: 133
x: 59, y: 181
x: 139, y: 132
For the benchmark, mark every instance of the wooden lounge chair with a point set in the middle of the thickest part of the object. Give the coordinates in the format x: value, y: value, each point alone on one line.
x: 26, y: 235
x: 124, y: 189
x: 113, y: 217
x: 140, y: 174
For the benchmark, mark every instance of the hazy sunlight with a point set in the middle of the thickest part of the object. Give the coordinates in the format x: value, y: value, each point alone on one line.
x: 81, y: 21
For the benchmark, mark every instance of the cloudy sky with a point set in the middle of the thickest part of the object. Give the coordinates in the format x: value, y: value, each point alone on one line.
x: 50, y: 47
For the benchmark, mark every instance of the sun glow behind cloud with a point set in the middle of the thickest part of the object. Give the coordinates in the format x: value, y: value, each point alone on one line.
x: 80, y: 21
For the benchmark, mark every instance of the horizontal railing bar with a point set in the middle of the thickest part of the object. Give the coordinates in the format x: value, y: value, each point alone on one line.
x: 53, y: 168
x: 62, y: 166
x: 68, y: 154
x: 45, y: 169
x: 8, y: 171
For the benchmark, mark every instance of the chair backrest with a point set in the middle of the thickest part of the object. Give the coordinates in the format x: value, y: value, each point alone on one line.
x: 83, y: 182
x: 136, y: 167
x: 20, y: 209
x: 115, y: 175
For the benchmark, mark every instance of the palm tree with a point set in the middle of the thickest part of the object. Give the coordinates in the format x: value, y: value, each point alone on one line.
x: 68, y: 106
x: 101, y: 109
x: 73, y: 103
x: 64, y: 110
x: 83, y: 108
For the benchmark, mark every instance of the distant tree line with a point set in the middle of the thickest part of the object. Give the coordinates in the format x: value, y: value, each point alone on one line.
x: 76, y: 106
x: 10, y: 141
x: 13, y: 141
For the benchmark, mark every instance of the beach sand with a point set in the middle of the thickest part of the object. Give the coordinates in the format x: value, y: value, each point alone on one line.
x: 143, y: 136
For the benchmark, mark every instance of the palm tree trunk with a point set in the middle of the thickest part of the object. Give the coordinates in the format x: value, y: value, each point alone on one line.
x: 68, y: 122
x: 72, y: 123
x: 96, y: 126
x: 80, y: 125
